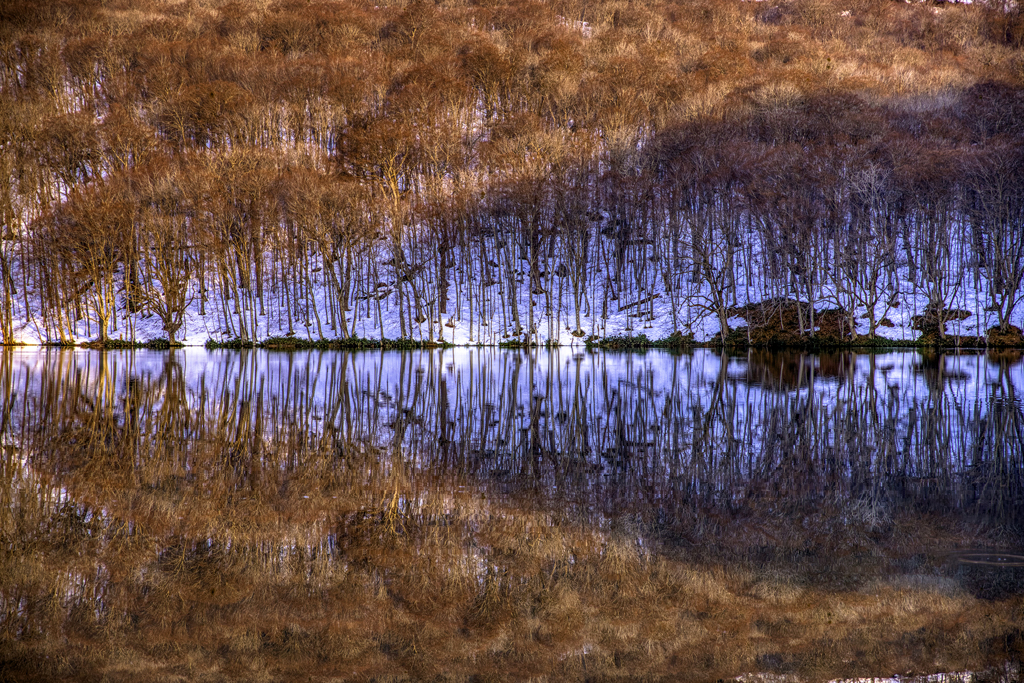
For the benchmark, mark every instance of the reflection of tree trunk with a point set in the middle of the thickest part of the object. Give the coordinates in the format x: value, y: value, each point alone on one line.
x: 443, y: 422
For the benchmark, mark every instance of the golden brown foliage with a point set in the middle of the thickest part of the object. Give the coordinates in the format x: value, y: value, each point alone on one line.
x: 428, y: 104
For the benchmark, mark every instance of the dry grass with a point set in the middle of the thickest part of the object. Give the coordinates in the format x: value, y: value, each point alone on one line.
x: 292, y: 84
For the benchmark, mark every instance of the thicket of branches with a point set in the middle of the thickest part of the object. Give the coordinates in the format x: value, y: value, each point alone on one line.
x: 529, y: 165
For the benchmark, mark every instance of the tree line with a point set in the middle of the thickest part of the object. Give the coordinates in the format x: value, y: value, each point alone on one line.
x: 515, y: 170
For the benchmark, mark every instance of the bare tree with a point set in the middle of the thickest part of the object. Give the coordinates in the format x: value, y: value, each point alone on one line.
x: 87, y: 236
x: 865, y: 253
x: 167, y: 249
x: 994, y: 203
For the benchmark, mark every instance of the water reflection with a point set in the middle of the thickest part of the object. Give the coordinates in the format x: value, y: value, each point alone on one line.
x: 472, y: 509
x: 614, y: 432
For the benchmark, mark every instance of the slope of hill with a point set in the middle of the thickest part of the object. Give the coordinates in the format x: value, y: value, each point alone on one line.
x: 511, y: 171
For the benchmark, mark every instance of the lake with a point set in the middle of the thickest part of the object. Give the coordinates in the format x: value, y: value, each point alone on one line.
x: 485, y: 514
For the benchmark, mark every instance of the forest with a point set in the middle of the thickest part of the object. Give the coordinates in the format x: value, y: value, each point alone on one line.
x: 511, y: 172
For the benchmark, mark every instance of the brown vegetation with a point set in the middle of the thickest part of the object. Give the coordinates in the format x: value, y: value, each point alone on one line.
x: 434, y: 157
x: 786, y: 323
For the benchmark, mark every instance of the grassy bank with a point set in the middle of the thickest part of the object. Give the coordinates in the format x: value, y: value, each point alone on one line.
x: 736, y: 340
x: 349, y: 344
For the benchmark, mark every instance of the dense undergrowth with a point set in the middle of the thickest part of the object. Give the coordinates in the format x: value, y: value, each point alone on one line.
x: 507, y: 170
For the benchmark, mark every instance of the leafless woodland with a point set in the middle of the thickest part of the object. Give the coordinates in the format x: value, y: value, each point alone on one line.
x: 518, y: 169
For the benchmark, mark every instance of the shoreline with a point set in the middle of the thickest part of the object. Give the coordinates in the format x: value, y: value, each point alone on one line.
x: 618, y: 343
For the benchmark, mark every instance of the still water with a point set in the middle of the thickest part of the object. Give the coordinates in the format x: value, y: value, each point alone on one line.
x: 463, y: 513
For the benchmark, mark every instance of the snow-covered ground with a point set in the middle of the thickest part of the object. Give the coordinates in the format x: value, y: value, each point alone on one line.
x: 483, y: 315
x: 1008, y: 674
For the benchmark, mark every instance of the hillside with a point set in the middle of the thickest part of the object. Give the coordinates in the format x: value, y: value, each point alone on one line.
x: 512, y: 171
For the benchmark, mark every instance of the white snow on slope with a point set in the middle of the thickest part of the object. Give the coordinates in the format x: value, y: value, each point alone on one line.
x: 653, y: 312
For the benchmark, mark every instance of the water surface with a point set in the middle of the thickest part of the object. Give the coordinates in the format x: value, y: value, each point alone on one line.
x: 509, y: 513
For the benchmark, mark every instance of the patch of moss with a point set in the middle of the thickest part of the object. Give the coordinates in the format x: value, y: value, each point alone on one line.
x: 288, y: 343
x: 112, y: 344
x: 676, y: 340
x: 1011, y: 338
x: 622, y: 343
x: 236, y: 343
x: 775, y: 323
x: 162, y: 344
x: 949, y: 341
x: 516, y: 344
x: 349, y: 344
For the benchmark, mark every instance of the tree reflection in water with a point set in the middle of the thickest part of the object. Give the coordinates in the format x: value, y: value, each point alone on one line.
x: 507, y: 514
